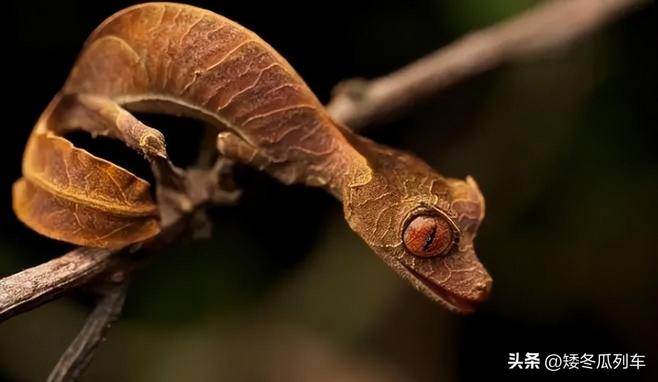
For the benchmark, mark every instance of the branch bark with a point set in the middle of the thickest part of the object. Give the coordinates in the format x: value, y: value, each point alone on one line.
x: 78, y: 355
x: 33, y: 287
x: 548, y: 29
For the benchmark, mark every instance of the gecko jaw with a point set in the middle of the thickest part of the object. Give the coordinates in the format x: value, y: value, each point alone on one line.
x: 437, y: 293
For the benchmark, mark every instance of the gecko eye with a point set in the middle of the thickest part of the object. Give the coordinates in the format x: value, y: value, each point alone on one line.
x: 428, y: 235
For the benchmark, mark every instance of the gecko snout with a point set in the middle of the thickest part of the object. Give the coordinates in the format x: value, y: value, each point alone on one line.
x: 482, y: 290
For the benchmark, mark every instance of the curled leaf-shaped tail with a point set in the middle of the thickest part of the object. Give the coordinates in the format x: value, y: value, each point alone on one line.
x: 68, y: 194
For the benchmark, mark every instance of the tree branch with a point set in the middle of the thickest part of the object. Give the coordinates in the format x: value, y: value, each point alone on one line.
x: 33, y: 287
x: 78, y: 355
x: 542, y: 31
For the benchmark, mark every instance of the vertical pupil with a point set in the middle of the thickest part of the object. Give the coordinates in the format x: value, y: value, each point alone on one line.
x: 430, y: 237
x: 427, y: 235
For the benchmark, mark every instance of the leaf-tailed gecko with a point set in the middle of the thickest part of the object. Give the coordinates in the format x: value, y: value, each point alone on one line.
x: 177, y: 59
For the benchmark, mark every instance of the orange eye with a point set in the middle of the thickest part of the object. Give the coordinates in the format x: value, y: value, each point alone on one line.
x: 428, y: 235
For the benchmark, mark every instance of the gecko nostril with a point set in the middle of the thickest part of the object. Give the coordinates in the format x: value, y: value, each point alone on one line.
x: 483, y: 289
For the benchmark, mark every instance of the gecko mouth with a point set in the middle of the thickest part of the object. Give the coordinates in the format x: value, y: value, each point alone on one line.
x: 439, y: 294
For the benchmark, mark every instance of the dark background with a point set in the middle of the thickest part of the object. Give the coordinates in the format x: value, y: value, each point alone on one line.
x: 564, y: 151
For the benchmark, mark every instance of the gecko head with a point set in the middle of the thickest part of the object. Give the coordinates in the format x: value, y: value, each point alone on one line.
x: 421, y: 224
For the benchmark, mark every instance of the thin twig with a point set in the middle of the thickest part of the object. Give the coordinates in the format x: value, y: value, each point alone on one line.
x: 77, y: 356
x: 33, y: 287
x: 544, y: 30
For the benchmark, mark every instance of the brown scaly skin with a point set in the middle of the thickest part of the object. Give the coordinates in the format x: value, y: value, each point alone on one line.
x: 177, y: 59
x: 403, y: 186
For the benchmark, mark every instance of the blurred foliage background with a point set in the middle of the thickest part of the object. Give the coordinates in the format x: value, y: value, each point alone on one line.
x: 564, y: 151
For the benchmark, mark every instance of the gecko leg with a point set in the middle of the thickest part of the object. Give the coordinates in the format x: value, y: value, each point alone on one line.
x: 212, y: 186
x: 236, y: 148
x: 100, y: 115
x: 214, y: 171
